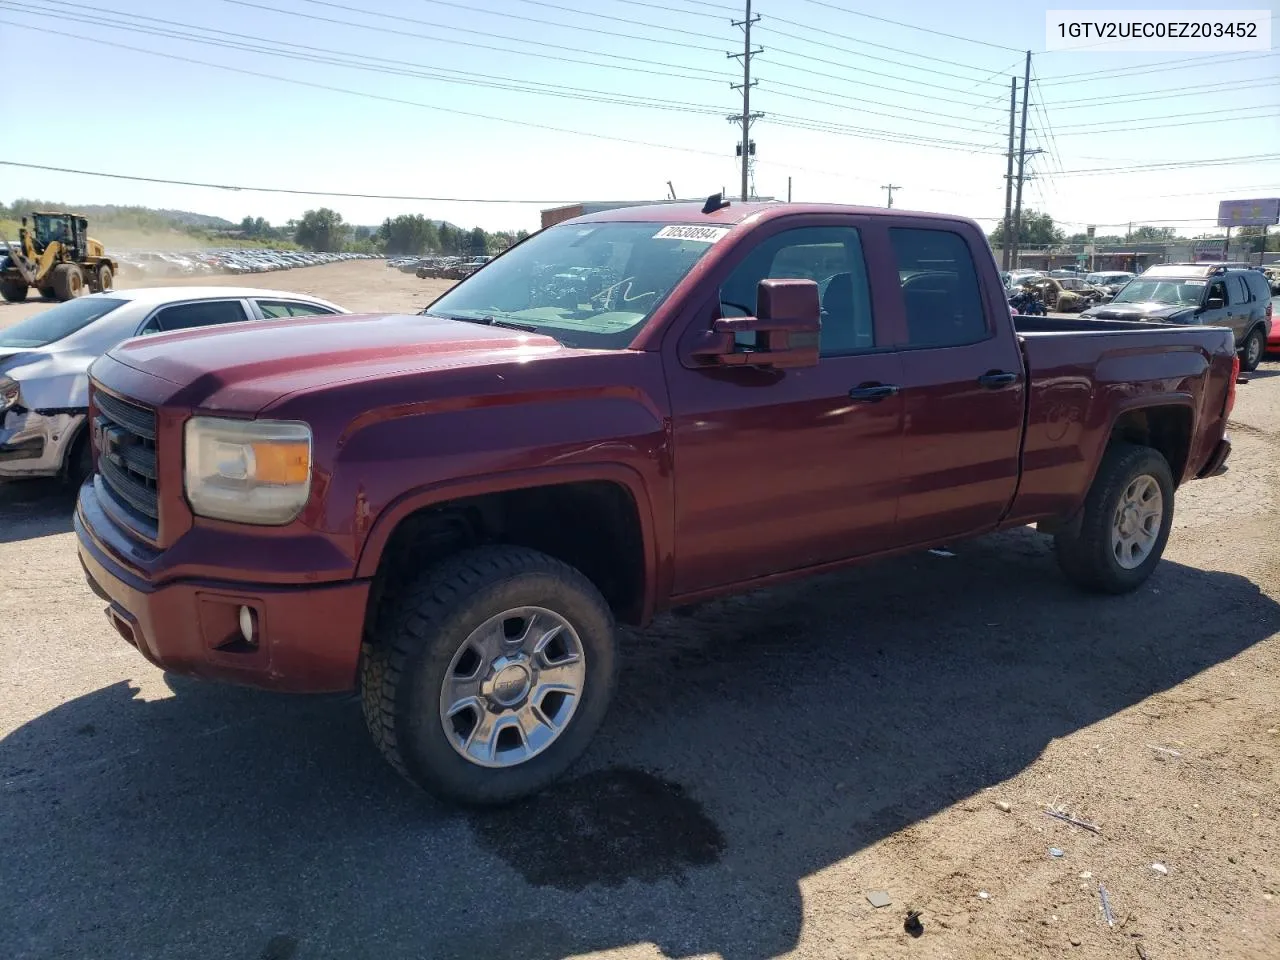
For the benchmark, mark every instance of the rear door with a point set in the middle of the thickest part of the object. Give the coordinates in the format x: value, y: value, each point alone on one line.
x: 197, y: 313
x: 780, y: 470
x: 963, y: 389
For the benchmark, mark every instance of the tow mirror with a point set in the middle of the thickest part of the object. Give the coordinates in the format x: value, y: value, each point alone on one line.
x: 1214, y: 303
x: 787, y: 328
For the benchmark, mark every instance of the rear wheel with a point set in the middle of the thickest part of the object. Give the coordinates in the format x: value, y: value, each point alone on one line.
x: 1125, y: 523
x: 14, y: 291
x: 68, y: 281
x: 490, y: 674
x: 104, y: 280
x: 1255, y: 345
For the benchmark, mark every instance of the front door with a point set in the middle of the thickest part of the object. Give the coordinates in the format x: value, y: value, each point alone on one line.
x: 779, y: 470
x: 963, y: 392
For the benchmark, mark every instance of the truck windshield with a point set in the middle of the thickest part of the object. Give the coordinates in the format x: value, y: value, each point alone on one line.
x: 57, y: 322
x: 588, y: 285
x: 1174, y: 293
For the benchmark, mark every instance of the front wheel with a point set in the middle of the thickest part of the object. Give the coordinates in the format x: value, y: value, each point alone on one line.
x: 491, y: 674
x: 1255, y: 345
x: 1125, y: 522
x: 14, y: 291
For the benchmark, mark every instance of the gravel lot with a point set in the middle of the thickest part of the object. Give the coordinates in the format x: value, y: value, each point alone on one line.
x: 770, y: 760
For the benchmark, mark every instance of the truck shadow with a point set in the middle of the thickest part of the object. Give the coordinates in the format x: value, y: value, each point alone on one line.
x: 754, y: 742
x: 34, y: 508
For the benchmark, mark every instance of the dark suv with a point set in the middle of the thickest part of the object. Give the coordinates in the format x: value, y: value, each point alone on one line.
x: 1211, y: 294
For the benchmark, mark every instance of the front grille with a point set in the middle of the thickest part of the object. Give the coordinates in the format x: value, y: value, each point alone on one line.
x: 125, y: 434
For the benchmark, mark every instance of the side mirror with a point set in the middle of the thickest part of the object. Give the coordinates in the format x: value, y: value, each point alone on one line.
x: 1214, y: 303
x: 787, y: 328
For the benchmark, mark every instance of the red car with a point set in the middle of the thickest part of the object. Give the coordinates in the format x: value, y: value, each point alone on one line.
x: 624, y: 413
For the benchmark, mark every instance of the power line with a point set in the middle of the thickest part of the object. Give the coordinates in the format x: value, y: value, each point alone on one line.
x: 282, y: 190
x: 910, y: 26
x: 874, y: 86
x: 1258, y: 158
x: 327, y: 56
x: 666, y: 67
x: 865, y: 56
x: 843, y: 66
x: 397, y: 67
x: 365, y: 95
x: 1172, y: 116
x: 786, y: 120
x: 1123, y: 128
x: 552, y: 23
x: 1185, y: 63
x: 1164, y: 94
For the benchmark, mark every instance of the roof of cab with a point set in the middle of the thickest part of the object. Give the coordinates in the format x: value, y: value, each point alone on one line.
x: 737, y: 212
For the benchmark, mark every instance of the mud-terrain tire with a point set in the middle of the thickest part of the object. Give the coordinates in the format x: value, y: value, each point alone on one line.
x: 14, y: 291
x: 441, y: 629
x: 1124, y: 525
x: 104, y: 280
x: 67, y: 281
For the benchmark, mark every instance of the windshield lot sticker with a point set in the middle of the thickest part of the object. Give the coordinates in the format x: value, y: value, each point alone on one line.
x: 690, y: 232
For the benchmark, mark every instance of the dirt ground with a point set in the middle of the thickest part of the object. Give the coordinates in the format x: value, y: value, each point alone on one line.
x: 358, y: 285
x: 769, y: 762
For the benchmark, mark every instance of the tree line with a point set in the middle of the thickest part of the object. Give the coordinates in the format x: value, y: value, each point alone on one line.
x: 1038, y: 230
x: 407, y: 234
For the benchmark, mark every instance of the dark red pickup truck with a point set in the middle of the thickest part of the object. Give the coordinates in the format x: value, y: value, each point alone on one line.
x: 624, y: 413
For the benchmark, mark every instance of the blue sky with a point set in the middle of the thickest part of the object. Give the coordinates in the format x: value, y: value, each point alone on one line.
x: 878, y: 82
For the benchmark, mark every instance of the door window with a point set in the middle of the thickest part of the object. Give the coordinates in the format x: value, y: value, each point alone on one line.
x: 831, y: 256
x: 280, y: 309
x: 205, y: 313
x: 940, y: 290
x: 1239, y: 290
x: 1217, y: 290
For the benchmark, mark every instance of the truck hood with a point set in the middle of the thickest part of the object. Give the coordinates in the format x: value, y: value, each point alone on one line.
x: 244, y: 368
x: 1140, y: 311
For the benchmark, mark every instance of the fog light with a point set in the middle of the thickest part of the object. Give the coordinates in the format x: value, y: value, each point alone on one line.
x: 248, y: 623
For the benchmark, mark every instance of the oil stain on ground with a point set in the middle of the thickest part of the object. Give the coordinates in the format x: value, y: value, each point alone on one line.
x: 603, y: 828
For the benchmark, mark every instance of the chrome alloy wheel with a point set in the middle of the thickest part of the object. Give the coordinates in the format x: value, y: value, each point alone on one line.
x: 1136, y: 525
x: 512, y: 687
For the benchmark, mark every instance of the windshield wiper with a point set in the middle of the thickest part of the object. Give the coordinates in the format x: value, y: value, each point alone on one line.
x: 488, y: 320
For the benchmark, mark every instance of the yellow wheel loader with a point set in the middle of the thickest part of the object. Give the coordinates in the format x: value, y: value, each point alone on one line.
x: 58, y: 258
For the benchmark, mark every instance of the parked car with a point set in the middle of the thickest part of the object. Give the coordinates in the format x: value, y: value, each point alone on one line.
x: 1064, y: 294
x: 45, y: 360
x: 627, y: 412
x: 1206, y: 294
x: 1273, y: 279
x: 1111, y: 281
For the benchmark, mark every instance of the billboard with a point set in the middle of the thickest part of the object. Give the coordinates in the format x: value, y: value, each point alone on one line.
x: 1249, y: 213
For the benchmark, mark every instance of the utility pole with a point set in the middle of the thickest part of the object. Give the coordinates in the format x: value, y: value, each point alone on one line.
x: 746, y: 149
x: 890, y: 187
x: 1022, y: 159
x: 1264, y: 229
x: 1008, y: 177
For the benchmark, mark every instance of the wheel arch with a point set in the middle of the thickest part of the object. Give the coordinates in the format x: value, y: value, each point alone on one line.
x: 597, y: 518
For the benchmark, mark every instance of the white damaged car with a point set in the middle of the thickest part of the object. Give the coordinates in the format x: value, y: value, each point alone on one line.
x: 45, y: 360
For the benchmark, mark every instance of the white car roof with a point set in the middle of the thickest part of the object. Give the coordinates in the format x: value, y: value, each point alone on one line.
x: 154, y: 296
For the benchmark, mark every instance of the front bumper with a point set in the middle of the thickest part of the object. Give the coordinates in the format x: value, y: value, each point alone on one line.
x: 35, y: 444
x: 307, y: 639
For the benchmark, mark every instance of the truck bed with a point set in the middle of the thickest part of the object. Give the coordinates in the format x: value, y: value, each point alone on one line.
x: 1084, y: 374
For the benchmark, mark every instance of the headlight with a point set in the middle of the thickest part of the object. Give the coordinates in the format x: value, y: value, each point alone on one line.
x: 8, y: 393
x: 247, y: 471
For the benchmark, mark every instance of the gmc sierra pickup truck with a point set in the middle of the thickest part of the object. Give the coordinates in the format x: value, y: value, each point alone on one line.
x: 625, y: 413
